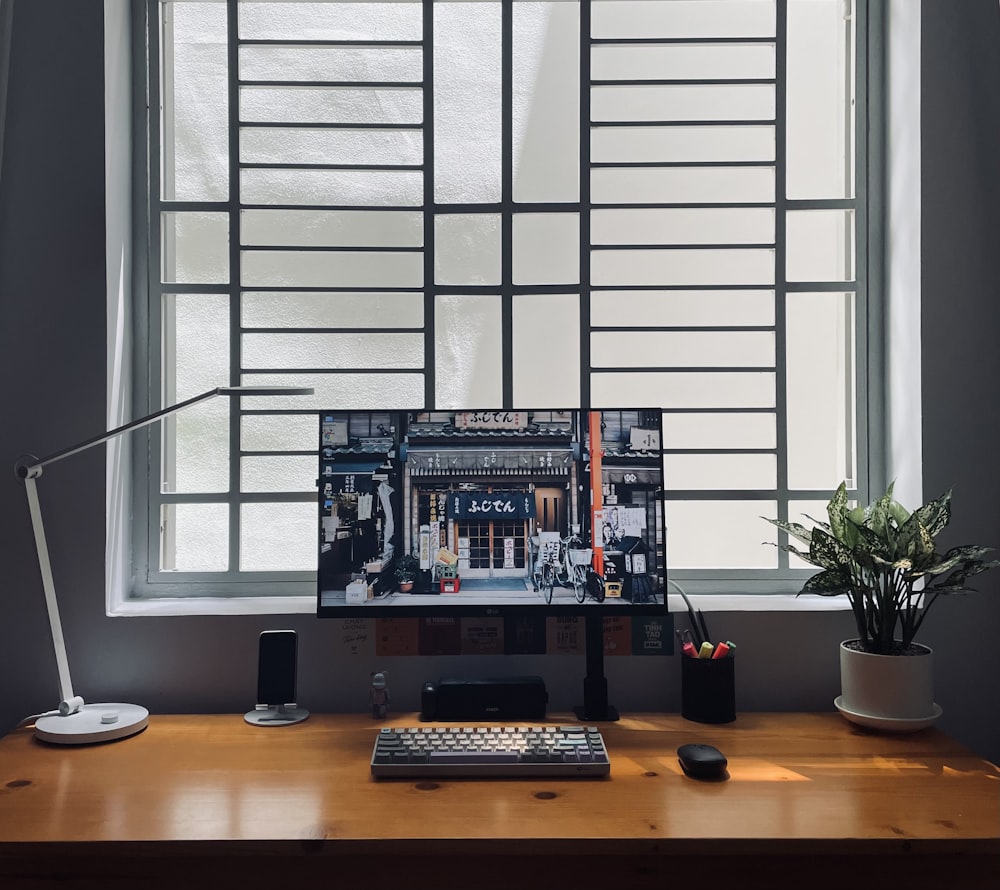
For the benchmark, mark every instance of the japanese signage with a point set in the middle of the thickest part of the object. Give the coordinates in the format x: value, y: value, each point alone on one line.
x: 491, y: 420
x: 487, y: 507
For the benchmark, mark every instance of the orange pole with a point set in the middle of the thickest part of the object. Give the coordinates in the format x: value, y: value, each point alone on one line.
x: 596, y: 491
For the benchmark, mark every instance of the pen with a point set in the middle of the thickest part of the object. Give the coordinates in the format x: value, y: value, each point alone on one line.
x: 706, y: 650
x: 721, y: 651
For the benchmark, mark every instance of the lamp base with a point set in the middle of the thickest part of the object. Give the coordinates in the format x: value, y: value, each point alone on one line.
x: 93, y: 723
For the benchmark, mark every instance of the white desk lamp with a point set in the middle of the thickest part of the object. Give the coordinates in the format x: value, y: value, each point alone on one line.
x: 77, y: 723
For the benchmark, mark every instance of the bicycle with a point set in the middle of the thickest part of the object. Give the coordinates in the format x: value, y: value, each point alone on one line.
x: 546, y: 563
x: 573, y: 565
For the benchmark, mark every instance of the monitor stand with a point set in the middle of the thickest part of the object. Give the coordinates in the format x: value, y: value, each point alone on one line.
x: 595, y: 705
x: 276, y: 715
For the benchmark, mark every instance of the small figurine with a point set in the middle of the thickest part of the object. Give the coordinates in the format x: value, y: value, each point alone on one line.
x: 378, y: 694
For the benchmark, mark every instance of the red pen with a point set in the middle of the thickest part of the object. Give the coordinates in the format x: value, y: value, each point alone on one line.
x: 721, y: 650
x: 689, y: 650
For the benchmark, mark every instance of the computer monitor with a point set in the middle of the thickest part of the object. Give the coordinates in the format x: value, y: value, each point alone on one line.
x: 510, y: 514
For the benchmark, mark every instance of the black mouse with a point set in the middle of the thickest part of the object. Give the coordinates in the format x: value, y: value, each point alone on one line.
x: 702, y: 761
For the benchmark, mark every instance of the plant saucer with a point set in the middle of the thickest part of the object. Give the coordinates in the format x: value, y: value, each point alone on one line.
x: 888, y: 724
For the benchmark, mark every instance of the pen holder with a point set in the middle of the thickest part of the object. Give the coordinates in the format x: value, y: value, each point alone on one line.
x: 708, y: 689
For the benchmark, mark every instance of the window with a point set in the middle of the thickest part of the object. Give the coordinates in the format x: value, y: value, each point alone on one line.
x: 512, y: 203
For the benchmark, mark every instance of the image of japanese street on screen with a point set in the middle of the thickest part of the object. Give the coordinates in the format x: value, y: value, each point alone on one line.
x: 419, y: 511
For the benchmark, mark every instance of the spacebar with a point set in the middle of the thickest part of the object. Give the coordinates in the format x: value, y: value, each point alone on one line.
x: 481, y: 757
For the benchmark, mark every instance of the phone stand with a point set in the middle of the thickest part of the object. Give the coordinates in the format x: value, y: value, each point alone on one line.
x: 276, y: 715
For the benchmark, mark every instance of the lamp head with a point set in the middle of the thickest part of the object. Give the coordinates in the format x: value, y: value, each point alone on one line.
x: 266, y: 391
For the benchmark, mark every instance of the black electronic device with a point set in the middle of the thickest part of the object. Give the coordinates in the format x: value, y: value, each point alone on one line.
x: 701, y: 761
x: 513, y: 517
x: 504, y: 698
x: 277, y: 665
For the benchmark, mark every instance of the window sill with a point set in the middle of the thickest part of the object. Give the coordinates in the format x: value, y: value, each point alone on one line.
x: 306, y: 605
x: 744, y: 602
x: 197, y: 606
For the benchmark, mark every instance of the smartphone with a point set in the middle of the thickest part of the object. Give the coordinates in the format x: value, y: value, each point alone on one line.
x: 278, y: 651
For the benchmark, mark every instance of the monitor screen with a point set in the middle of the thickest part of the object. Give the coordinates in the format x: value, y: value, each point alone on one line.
x: 470, y: 513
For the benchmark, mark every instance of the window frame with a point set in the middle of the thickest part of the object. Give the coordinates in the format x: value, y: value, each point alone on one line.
x: 291, y: 591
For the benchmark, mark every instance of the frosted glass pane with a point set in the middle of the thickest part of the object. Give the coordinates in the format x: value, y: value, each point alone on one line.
x: 682, y: 18
x: 195, y: 120
x: 701, y: 61
x: 467, y: 249
x: 546, y: 248
x: 820, y: 245
x: 333, y: 351
x: 682, y: 349
x: 346, y: 105
x: 194, y: 538
x: 195, y: 442
x: 721, y: 472
x: 691, y: 389
x: 383, y: 392
x: 546, y: 101
x: 330, y: 21
x: 287, y: 145
x: 728, y: 431
x: 278, y: 537
x: 195, y: 329
x: 684, y: 308
x: 332, y: 228
x: 279, y: 432
x: 821, y: 389
x: 278, y: 473
x: 194, y: 248
x: 682, y: 103
x: 468, y: 356
x: 737, y: 537
x: 333, y: 187
x: 699, y: 225
x: 619, y: 267
x: 319, y: 310
x: 331, y: 63
x: 687, y: 185
x: 546, y: 337
x: 279, y: 268
x: 699, y: 143
x: 467, y: 102
x: 820, y: 97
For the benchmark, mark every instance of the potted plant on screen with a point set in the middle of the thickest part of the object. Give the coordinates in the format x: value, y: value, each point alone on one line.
x: 884, y: 559
x: 407, y: 568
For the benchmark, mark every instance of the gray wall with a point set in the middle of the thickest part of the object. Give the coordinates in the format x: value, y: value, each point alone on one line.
x: 52, y: 352
x: 960, y: 197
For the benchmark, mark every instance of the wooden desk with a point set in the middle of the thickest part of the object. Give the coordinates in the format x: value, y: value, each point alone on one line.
x: 202, y: 801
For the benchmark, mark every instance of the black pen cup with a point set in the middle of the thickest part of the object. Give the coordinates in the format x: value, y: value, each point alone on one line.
x: 708, y: 689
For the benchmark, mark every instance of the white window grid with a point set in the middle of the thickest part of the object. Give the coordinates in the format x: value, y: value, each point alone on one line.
x: 600, y: 382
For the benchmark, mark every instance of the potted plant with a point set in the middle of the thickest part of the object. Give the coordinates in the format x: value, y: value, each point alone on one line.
x: 885, y: 560
x: 406, y: 571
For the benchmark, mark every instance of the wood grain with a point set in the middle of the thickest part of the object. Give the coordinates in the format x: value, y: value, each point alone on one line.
x: 199, y: 798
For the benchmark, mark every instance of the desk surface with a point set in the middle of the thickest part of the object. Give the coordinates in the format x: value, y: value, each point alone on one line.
x: 805, y: 788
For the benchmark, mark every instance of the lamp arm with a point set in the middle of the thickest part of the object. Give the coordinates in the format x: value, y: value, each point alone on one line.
x: 26, y: 470
x: 48, y: 585
x: 32, y: 466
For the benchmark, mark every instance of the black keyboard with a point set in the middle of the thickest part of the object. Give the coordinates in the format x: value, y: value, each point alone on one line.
x: 502, y: 751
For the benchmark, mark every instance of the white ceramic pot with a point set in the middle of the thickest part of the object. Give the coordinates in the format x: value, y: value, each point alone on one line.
x: 888, y: 691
